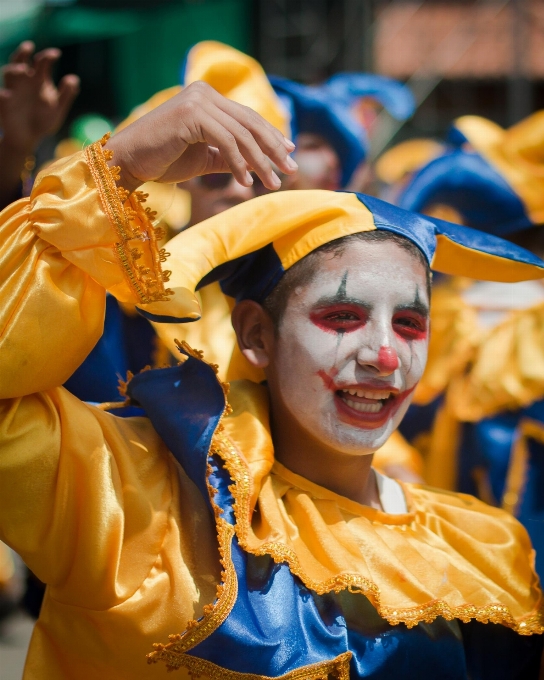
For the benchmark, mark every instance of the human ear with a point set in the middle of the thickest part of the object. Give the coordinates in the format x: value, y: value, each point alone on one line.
x: 255, y: 332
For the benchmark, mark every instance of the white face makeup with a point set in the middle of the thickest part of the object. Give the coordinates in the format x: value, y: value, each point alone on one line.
x: 352, y: 345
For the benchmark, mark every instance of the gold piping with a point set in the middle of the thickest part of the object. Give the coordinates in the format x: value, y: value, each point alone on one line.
x: 337, y: 669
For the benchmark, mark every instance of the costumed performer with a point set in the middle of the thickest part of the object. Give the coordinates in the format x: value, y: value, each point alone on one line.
x: 255, y: 532
x: 484, y: 382
x: 129, y: 342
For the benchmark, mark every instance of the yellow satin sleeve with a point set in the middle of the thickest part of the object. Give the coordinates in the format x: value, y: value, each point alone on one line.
x: 77, y: 236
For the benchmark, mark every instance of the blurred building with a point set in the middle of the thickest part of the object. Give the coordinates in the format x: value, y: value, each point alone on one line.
x: 483, y: 57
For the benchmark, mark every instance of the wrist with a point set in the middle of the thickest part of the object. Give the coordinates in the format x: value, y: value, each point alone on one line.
x: 120, y: 160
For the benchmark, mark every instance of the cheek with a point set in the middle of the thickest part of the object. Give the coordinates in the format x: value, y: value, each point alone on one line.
x: 414, y: 358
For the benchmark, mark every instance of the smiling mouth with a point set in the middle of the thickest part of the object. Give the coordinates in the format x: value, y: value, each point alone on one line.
x: 366, y: 401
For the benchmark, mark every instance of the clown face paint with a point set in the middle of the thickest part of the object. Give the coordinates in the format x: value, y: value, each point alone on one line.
x: 352, y: 345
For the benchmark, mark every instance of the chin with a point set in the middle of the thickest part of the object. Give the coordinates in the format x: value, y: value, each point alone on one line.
x: 354, y: 437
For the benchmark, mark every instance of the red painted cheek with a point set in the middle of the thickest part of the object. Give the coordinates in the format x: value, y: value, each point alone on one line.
x: 388, y: 359
x: 328, y: 377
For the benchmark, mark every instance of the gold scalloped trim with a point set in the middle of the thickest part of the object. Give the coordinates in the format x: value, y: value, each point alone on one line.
x: 173, y: 652
x: 530, y: 624
x: 337, y: 669
x: 214, y: 614
x: 132, y: 222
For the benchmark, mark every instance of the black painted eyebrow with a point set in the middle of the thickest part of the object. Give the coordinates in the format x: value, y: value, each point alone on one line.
x: 416, y: 306
x: 328, y: 300
x: 341, y: 299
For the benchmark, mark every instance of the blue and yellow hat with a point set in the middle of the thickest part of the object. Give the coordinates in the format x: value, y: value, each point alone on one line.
x: 491, y: 179
x: 327, y: 110
x: 249, y: 247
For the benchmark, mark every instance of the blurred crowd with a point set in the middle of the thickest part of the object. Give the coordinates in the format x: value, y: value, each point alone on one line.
x: 477, y: 423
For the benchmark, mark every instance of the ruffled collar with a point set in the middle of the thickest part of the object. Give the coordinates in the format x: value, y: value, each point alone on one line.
x: 450, y: 555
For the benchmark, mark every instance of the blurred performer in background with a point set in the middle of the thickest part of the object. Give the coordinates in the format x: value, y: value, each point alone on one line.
x: 329, y: 128
x: 32, y: 107
x: 484, y: 382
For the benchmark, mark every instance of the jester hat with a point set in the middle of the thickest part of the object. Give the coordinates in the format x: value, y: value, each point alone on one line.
x: 233, y: 74
x: 249, y: 247
x: 327, y: 110
x: 492, y: 178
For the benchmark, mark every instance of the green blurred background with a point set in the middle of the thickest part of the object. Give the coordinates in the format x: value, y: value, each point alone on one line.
x: 123, y: 51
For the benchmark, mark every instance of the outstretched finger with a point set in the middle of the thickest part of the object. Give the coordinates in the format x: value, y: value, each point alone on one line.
x: 23, y: 53
x: 15, y: 74
x: 43, y: 63
x: 68, y: 89
x: 215, y: 134
x: 270, y: 139
x: 251, y: 151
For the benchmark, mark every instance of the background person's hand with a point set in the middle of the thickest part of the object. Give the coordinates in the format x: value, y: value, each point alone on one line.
x: 198, y: 132
x: 31, y: 106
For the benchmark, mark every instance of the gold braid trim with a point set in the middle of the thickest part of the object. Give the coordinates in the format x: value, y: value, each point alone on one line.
x: 337, y: 669
x: 532, y: 623
x: 133, y: 226
x: 173, y: 652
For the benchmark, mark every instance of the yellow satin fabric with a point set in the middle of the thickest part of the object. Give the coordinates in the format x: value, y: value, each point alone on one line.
x: 94, y: 504
x: 517, y: 153
x: 7, y: 568
x: 482, y: 370
x: 213, y: 333
x: 450, y: 555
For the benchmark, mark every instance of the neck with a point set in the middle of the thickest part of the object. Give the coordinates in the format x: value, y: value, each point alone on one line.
x: 347, y: 475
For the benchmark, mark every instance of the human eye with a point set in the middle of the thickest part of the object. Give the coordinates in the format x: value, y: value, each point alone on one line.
x: 411, y: 325
x: 339, y: 319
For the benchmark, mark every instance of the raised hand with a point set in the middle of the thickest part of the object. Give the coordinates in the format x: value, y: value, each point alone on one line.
x: 198, y: 132
x: 31, y: 106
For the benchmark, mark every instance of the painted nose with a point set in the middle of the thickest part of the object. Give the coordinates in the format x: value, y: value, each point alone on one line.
x: 385, y: 361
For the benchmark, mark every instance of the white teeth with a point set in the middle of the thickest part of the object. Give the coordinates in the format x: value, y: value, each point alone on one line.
x: 376, y: 394
x: 367, y: 408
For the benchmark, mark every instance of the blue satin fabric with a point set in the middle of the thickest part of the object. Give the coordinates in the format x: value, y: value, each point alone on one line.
x: 277, y: 625
x: 127, y: 344
x: 422, y: 230
x: 473, y: 187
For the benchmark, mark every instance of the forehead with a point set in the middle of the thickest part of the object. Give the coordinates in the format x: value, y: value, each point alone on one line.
x: 378, y: 266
